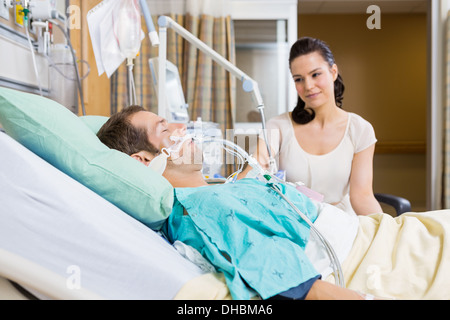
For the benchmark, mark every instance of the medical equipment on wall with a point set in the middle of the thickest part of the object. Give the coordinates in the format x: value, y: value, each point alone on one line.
x: 33, y: 56
x: 38, y: 10
x: 43, y: 9
x: 248, y: 84
x: 63, y: 88
x: 41, y: 15
x: 265, y: 176
x: 43, y: 36
x: 177, y: 106
x: 75, y: 65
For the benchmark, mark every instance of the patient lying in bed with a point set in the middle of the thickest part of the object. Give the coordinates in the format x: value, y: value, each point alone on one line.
x: 235, y: 228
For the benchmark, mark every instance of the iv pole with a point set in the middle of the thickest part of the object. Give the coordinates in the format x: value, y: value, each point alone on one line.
x: 248, y: 84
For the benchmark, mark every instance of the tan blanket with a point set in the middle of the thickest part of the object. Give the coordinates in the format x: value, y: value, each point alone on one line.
x: 407, y: 257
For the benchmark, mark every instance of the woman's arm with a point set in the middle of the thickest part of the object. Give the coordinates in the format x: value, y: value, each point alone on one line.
x: 361, y: 183
x: 261, y: 155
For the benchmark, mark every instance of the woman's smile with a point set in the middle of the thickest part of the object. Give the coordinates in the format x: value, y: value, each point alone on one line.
x: 313, y: 95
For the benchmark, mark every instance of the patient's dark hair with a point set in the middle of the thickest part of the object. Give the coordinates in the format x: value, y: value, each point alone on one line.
x: 307, y: 45
x: 118, y: 133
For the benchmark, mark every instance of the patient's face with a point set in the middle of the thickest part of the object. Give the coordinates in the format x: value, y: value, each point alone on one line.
x: 158, y: 131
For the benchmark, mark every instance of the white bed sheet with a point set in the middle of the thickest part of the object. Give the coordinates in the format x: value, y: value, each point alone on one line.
x: 51, y: 219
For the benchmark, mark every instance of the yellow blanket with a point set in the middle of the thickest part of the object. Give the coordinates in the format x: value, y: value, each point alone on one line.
x: 407, y: 257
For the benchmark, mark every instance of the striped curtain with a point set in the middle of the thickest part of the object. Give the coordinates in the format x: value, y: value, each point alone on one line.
x: 446, y: 151
x: 209, y: 90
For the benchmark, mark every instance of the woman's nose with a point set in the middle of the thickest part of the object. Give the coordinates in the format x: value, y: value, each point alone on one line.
x: 309, y: 83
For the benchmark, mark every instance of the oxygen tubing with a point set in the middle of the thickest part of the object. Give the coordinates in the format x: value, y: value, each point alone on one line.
x: 337, y: 269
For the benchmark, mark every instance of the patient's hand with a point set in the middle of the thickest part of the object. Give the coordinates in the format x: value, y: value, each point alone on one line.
x: 322, y: 290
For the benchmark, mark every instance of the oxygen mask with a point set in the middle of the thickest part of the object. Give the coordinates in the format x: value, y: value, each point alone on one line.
x: 159, y: 163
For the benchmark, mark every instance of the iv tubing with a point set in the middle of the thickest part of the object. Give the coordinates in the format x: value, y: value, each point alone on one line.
x: 329, y: 249
x: 33, y: 57
x: 339, y: 275
x: 272, y: 163
x: 55, y: 65
x: 75, y: 65
x: 131, y: 86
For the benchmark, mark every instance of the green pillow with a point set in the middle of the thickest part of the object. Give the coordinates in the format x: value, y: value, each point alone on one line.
x: 58, y: 136
x: 94, y: 122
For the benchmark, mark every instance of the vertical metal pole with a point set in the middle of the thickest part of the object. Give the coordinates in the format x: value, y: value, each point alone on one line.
x: 162, y: 105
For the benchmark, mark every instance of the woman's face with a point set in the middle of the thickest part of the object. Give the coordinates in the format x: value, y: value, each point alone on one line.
x: 314, y: 80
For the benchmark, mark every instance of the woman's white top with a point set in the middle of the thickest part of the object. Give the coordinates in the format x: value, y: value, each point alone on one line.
x: 328, y: 174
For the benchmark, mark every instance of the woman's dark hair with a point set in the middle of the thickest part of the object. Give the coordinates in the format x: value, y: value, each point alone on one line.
x: 305, y: 46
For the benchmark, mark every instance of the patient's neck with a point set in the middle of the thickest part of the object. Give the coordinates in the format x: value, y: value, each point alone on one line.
x: 184, y: 179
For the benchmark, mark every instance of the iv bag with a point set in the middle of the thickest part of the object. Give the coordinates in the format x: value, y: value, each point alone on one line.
x: 127, y: 27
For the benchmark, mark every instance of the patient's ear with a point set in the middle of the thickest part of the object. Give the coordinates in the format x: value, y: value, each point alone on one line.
x: 143, y: 156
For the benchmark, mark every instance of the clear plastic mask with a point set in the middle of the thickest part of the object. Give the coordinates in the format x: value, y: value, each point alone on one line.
x: 159, y: 163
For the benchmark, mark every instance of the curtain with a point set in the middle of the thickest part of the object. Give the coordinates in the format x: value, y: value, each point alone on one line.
x: 209, y: 90
x: 446, y: 151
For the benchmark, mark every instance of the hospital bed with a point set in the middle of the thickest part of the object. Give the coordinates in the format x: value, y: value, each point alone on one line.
x: 72, y: 221
x: 59, y: 239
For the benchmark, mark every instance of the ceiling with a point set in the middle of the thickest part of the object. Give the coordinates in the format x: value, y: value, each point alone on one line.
x: 360, y: 6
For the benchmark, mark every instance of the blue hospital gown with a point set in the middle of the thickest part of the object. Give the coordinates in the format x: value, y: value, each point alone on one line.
x: 248, y: 232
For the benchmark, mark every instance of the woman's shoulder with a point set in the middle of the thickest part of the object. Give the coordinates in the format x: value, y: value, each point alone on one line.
x: 358, y: 122
x: 361, y: 132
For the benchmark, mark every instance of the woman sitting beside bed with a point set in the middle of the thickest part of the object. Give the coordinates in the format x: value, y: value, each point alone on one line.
x: 245, y: 229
